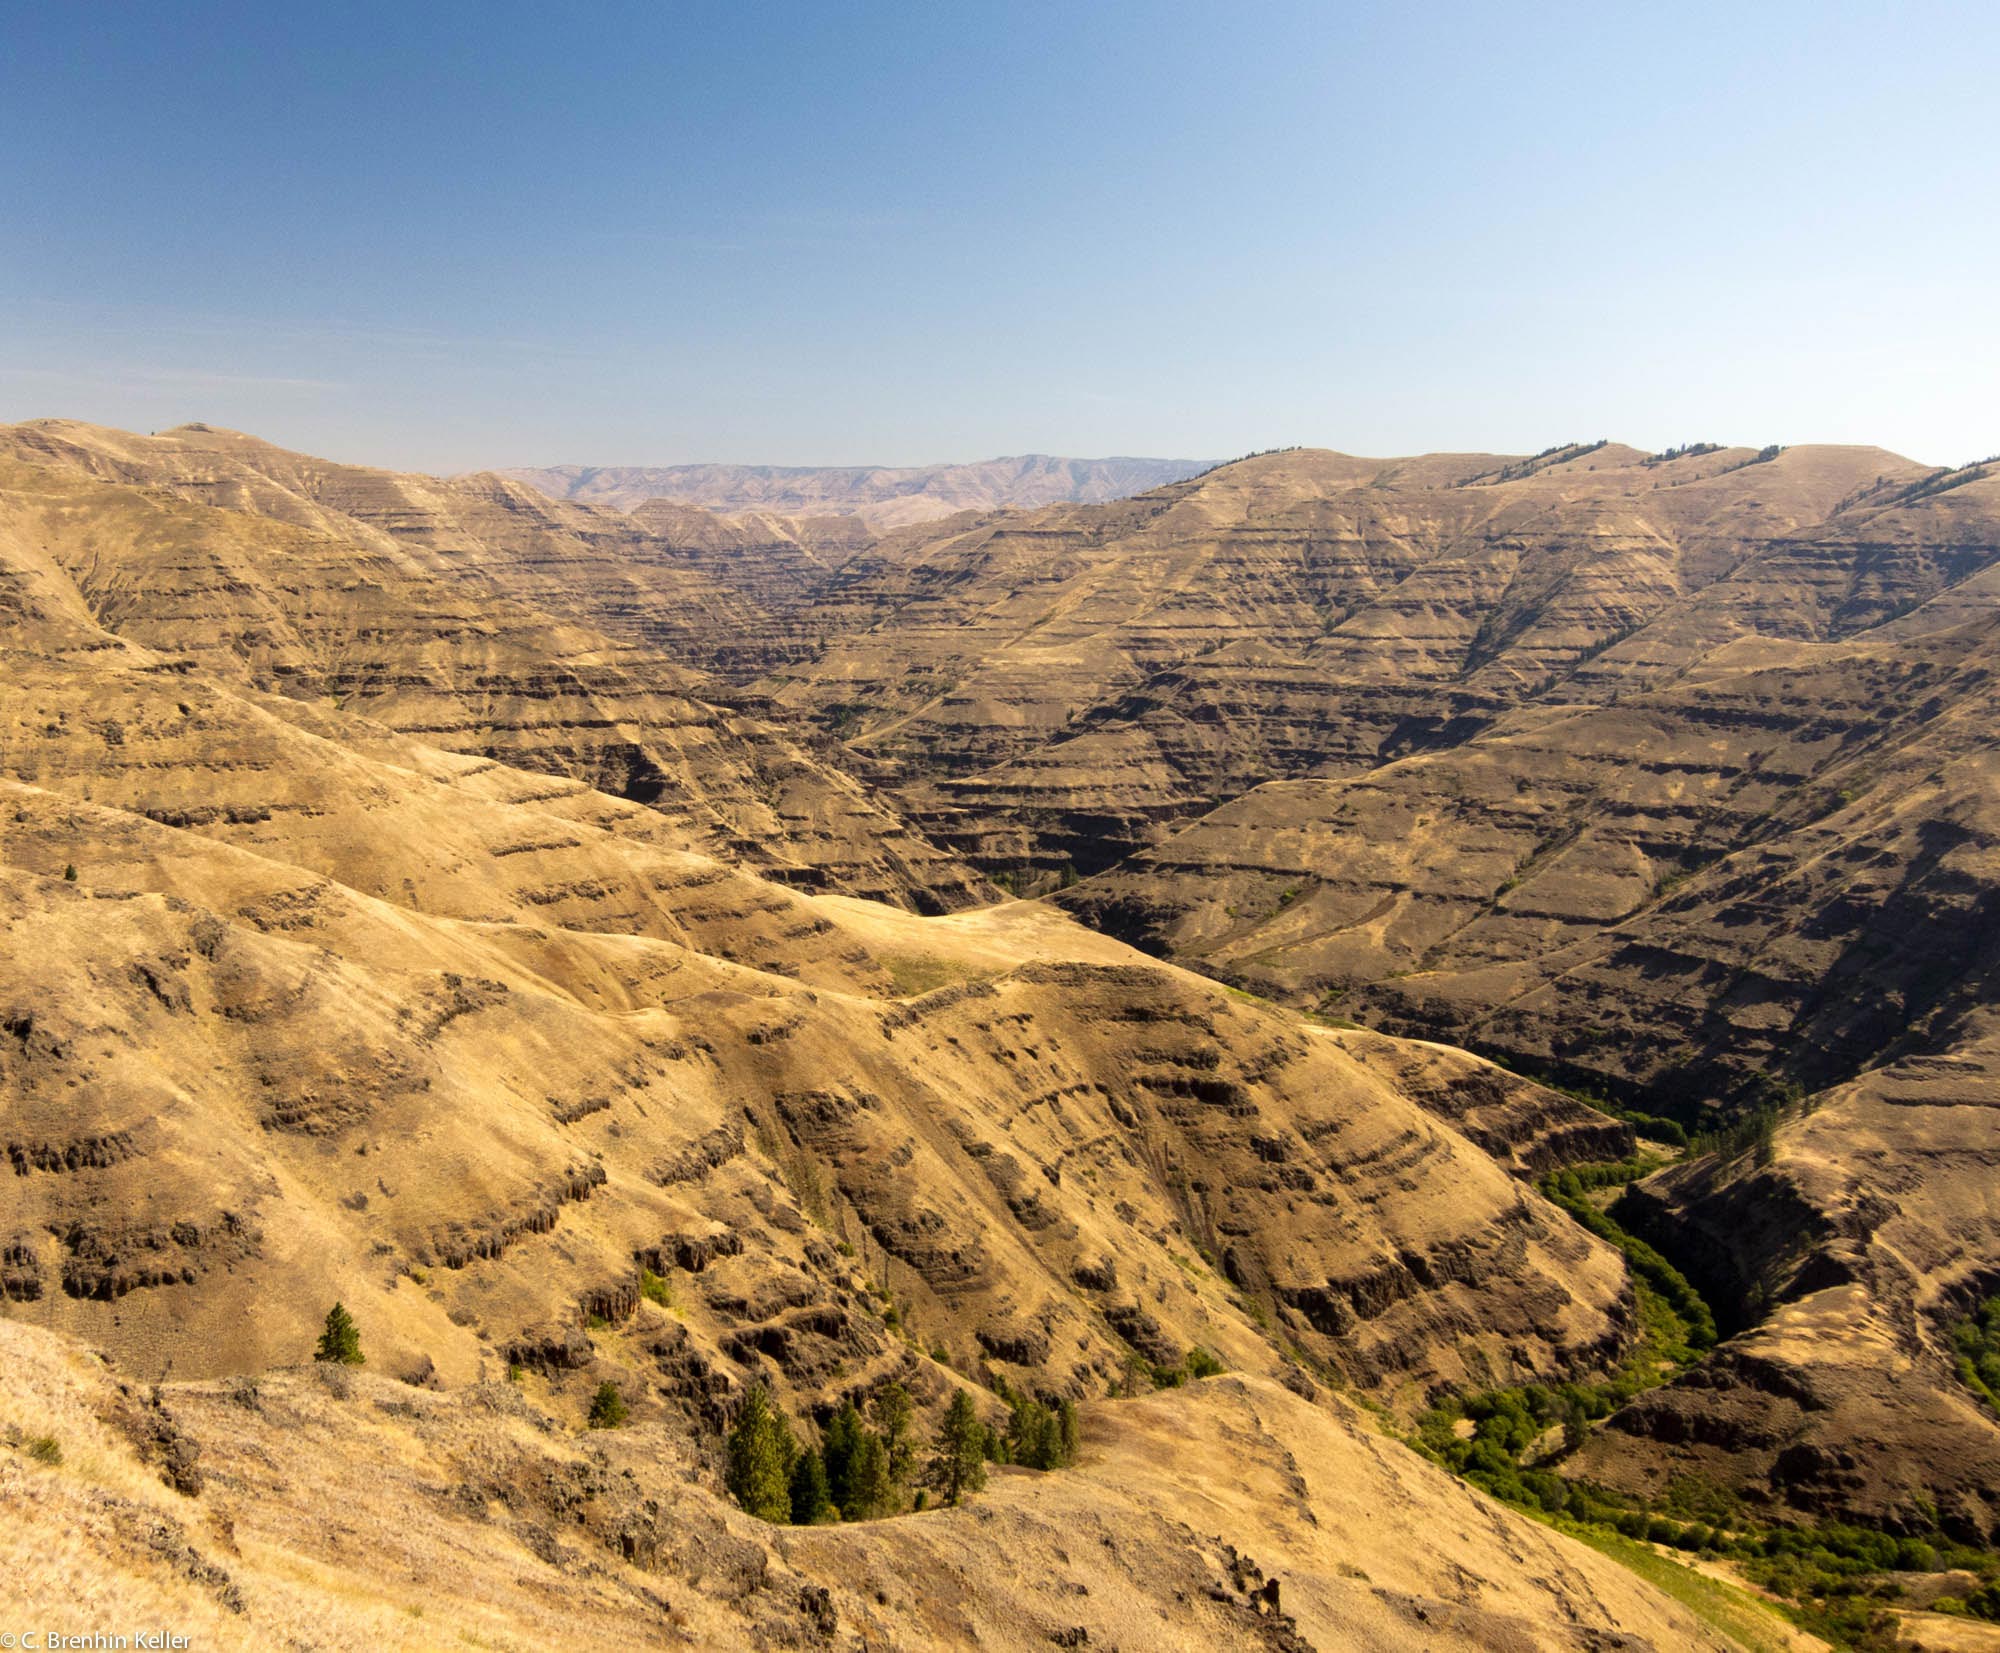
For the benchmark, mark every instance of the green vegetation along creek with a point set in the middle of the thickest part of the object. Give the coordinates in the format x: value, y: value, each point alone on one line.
x: 1838, y: 1581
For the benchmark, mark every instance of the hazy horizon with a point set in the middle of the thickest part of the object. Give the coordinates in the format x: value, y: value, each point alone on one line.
x: 392, y: 462
x: 442, y: 239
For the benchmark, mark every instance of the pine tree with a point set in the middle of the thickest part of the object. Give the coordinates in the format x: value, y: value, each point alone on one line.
x: 857, y: 1466
x: 607, y: 1408
x: 340, y: 1342
x: 761, y: 1455
x: 869, y: 1485
x: 810, y: 1501
x: 958, y: 1459
x: 842, y: 1442
x: 1035, y: 1435
x: 1067, y: 1428
x: 893, y: 1412
x: 69, y: 873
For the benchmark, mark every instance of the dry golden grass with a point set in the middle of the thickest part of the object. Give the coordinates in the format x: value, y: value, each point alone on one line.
x: 341, y: 1507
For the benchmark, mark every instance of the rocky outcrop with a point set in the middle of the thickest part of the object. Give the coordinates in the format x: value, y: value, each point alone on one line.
x: 1527, y: 1127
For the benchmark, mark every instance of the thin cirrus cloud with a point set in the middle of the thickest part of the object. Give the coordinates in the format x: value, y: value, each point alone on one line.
x: 168, y: 379
x: 878, y: 233
x: 254, y: 332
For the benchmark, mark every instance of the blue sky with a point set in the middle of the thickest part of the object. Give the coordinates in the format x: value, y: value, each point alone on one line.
x: 448, y: 235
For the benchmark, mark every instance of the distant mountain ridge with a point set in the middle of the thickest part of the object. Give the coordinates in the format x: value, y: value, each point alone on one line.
x: 887, y: 496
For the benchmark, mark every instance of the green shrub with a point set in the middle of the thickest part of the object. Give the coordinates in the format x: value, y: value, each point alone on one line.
x: 607, y: 1407
x: 1566, y: 1190
x: 1976, y: 1343
x: 1913, y: 1555
x: 1203, y: 1363
x: 1984, y: 1602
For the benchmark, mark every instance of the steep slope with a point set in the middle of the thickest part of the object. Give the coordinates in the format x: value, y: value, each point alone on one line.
x: 1757, y: 868
x: 775, y: 563
x: 1856, y: 1240
x: 1058, y: 690
x: 1774, y: 865
x: 295, y: 1005
x: 296, y: 944
x: 884, y: 496
x: 392, y: 633
x: 1669, y: 776
x: 381, y: 924
x: 213, y: 1093
x: 566, y: 561
x: 315, y: 1509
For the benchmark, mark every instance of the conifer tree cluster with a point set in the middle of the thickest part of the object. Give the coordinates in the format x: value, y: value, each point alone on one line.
x: 1042, y: 1437
x: 856, y: 1472
x: 811, y: 1501
x: 894, y: 1413
x: 864, y: 1463
x: 1038, y: 1435
x: 857, y: 1466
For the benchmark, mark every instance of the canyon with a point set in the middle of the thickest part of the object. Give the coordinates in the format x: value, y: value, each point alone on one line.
x: 994, y: 943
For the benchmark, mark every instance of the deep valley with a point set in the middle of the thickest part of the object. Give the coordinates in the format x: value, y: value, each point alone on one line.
x: 1441, y: 1012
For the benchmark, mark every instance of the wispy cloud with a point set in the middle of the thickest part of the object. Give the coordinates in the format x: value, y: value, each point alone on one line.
x: 207, y: 327
x: 168, y: 378
x: 802, y: 230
